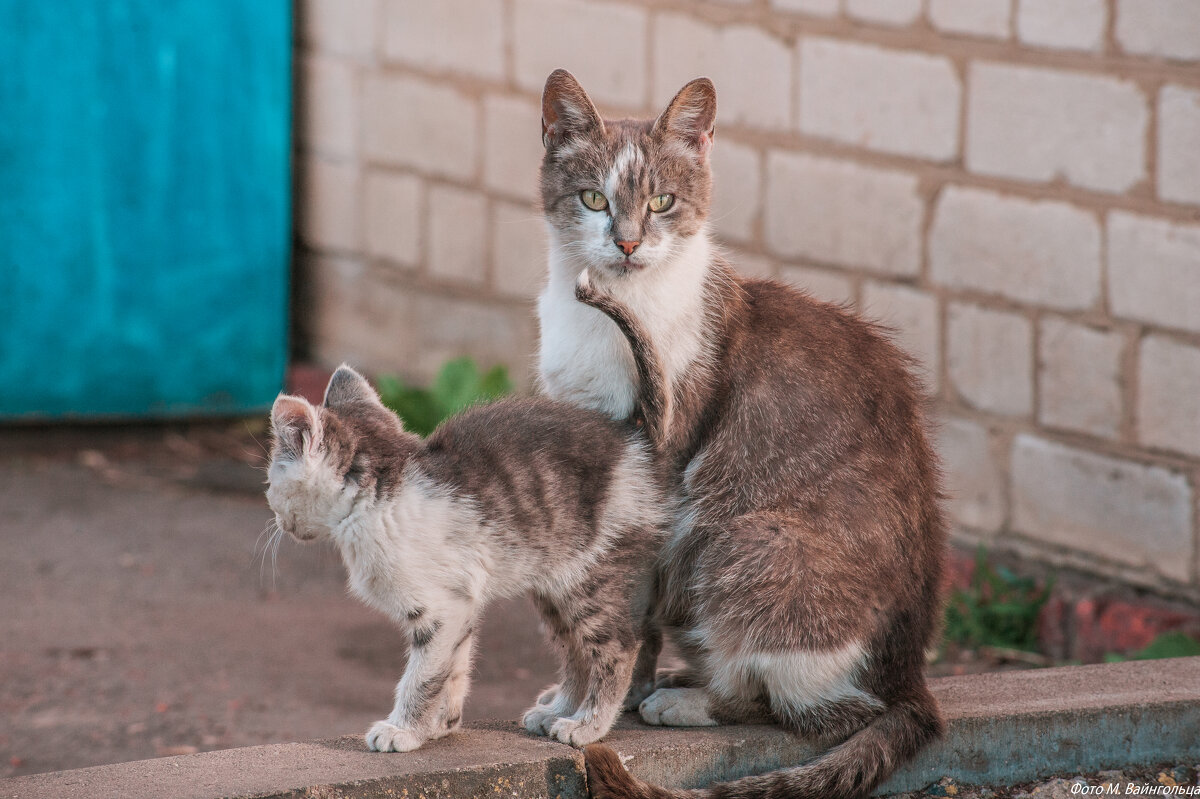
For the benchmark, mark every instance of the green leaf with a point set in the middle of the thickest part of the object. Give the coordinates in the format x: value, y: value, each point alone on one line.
x: 1170, y: 645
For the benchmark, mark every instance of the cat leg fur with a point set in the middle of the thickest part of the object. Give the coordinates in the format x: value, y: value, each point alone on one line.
x: 430, y: 695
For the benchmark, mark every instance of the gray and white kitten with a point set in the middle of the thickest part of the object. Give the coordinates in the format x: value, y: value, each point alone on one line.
x: 518, y: 496
x: 802, y: 578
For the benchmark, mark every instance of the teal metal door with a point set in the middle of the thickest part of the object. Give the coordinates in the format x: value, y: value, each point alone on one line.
x: 144, y: 206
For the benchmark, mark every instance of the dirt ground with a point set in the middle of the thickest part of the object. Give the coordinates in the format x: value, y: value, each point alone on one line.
x: 143, y: 619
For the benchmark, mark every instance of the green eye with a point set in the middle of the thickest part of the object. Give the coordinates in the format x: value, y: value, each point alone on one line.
x: 594, y: 200
x: 661, y: 202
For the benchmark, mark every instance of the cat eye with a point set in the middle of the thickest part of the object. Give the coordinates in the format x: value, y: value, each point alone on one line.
x: 661, y: 202
x: 593, y: 199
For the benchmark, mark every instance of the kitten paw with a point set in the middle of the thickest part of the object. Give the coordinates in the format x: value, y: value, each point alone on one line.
x: 677, y: 707
x: 538, y: 719
x: 575, y: 732
x: 387, y: 737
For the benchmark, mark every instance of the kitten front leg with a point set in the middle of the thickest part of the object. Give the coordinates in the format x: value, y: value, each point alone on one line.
x: 429, y: 696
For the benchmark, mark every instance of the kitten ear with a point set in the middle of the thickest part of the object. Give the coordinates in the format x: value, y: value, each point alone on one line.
x: 348, y: 386
x: 292, y: 419
x: 690, y: 117
x: 567, y: 111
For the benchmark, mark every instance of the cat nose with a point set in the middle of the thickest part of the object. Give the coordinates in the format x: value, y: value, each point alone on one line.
x: 628, y: 247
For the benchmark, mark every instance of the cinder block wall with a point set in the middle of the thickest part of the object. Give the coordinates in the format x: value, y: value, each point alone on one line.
x: 1014, y: 185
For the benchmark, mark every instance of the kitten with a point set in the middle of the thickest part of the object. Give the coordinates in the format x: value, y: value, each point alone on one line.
x: 802, y: 576
x: 516, y: 496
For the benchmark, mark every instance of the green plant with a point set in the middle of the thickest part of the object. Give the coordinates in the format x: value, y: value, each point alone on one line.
x: 1166, y: 645
x: 998, y: 609
x: 458, y: 385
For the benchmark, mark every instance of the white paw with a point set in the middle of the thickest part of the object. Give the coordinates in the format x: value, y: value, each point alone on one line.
x: 677, y: 707
x: 538, y: 719
x: 387, y: 737
x: 575, y: 732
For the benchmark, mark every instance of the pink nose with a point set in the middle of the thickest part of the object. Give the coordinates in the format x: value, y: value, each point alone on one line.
x: 628, y: 246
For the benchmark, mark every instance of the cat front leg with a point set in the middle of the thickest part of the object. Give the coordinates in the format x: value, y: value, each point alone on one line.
x: 429, y: 697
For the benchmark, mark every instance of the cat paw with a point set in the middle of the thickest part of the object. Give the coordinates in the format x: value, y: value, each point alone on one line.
x: 539, y: 719
x: 677, y: 707
x: 575, y: 732
x: 387, y: 737
x: 548, y: 696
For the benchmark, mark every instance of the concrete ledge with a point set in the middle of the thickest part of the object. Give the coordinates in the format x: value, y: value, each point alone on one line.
x: 1004, y: 728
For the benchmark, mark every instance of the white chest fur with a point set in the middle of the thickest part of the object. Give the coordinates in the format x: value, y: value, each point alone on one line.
x: 583, y: 357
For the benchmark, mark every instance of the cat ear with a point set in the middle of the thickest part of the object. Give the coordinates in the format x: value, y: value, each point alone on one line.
x: 348, y: 386
x: 690, y: 117
x: 293, y: 419
x: 567, y: 111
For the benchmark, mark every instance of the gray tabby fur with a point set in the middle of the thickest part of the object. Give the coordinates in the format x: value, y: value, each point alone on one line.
x: 519, y: 496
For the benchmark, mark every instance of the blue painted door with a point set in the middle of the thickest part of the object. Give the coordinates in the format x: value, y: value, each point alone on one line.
x: 144, y: 206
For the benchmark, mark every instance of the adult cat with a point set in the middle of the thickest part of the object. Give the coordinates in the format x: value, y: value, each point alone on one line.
x: 516, y: 496
x: 802, y: 577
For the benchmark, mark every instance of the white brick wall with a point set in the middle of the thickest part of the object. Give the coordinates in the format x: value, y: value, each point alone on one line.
x: 1123, y: 511
x: 820, y: 283
x: 1063, y: 24
x: 822, y: 8
x: 455, y: 35
x: 419, y: 124
x: 990, y: 18
x: 989, y: 358
x: 737, y: 187
x: 913, y: 315
x: 327, y: 108
x: 887, y: 100
x: 1164, y: 28
x: 518, y: 249
x: 842, y: 213
x: 1038, y: 252
x: 1012, y: 184
x: 339, y: 27
x: 512, y: 146
x: 1179, y: 144
x: 736, y: 58
x: 458, y: 223
x: 888, y: 12
x: 1168, y: 413
x: 1079, y: 377
x: 328, y: 213
x: 1041, y: 124
x: 1152, y: 269
x: 602, y: 44
x: 975, y: 480
x: 392, y: 217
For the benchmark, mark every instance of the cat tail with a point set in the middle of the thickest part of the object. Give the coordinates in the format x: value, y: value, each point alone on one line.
x: 850, y: 770
x: 654, y: 396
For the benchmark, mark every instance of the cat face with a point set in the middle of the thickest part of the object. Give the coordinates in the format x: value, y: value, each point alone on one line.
x: 622, y: 196
x: 327, y: 460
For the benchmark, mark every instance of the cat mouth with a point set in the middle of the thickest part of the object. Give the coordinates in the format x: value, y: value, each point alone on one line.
x: 626, y: 265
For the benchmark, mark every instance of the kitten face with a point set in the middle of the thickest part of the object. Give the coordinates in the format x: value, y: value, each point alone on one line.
x: 327, y: 460
x: 621, y: 196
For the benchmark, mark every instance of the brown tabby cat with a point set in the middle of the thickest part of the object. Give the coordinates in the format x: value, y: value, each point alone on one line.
x: 802, y: 577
